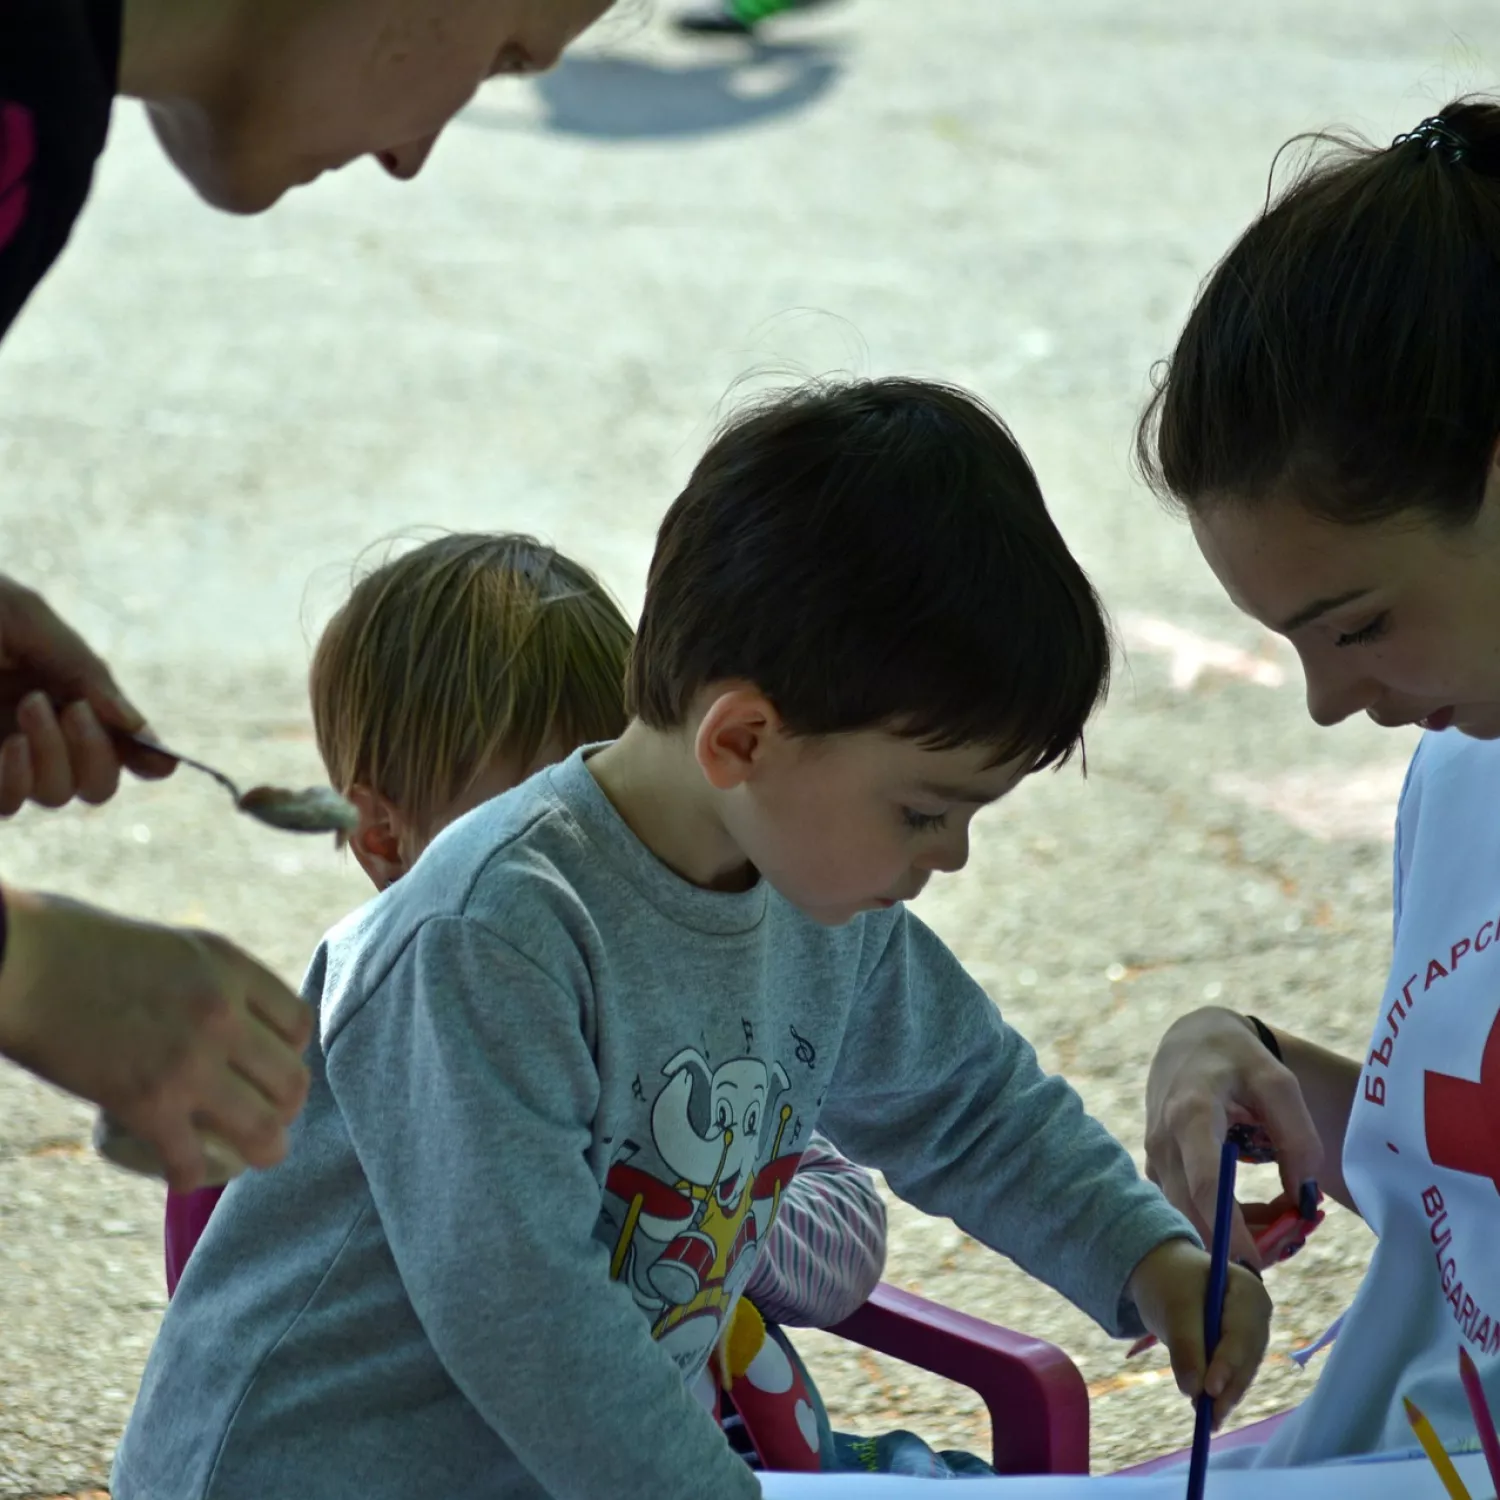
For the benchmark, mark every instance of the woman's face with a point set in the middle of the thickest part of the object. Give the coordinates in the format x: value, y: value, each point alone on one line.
x: 1399, y: 620
x: 290, y: 89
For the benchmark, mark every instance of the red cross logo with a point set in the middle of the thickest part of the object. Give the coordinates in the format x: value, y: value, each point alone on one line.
x: 17, y: 150
x: 1463, y: 1118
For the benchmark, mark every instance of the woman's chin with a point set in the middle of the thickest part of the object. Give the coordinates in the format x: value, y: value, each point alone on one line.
x: 1479, y: 722
x: 233, y: 182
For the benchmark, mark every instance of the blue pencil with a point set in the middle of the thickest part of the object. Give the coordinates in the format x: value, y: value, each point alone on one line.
x: 1213, y: 1315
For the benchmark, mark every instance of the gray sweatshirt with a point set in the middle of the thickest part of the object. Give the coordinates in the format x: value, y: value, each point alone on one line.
x: 559, y: 1094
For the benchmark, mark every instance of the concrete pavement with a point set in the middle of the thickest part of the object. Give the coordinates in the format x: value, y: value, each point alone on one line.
x: 204, y: 421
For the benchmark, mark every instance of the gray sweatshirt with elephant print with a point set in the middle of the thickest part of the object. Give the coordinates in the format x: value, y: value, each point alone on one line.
x: 558, y: 1097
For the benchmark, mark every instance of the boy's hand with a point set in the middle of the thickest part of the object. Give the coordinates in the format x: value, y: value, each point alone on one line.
x: 1169, y: 1289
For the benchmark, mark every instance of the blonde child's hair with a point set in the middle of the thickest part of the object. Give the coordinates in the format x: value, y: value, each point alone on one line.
x: 469, y: 647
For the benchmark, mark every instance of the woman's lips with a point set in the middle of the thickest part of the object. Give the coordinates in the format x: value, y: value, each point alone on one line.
x: 1438, y: 720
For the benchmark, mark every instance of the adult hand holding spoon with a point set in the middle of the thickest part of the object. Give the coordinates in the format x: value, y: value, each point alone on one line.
x: 60, y: 712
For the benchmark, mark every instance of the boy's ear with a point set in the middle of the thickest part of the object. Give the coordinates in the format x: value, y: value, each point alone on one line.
x: 376, y: 839
x: 739, y: 729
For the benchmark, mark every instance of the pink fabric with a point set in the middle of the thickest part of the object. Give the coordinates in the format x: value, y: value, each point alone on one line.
x: 187, y: 1217
x: 17, y: 152
x: 825, y: 1251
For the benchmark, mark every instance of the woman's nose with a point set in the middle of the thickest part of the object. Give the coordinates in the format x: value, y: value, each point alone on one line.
x: 1333, y: 696
x: 404, y: 162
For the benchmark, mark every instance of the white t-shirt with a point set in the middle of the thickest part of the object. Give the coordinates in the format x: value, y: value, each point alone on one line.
x: 1422, y: 1156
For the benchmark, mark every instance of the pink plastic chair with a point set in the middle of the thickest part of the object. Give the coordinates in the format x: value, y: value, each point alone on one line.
x: 1037, y: 1400
x: 187, y: 1217
x: 1038, y: 1403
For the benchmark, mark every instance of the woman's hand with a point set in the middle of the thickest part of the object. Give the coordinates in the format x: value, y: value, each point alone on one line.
x: 1169, y: 1289
x: 58, y: 704
x: 1212, y: 1071
x: 171, y: 1031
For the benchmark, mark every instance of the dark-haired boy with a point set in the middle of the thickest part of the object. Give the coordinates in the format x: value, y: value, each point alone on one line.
x: 577, y: 1051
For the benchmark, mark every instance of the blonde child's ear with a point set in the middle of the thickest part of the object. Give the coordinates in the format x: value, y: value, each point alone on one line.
x: 377, y: 838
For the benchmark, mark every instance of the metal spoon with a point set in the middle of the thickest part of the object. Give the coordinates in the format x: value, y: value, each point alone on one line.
x: 316, y: 809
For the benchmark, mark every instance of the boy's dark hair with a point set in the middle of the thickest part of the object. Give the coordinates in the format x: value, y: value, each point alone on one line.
x: 874, y: 554
x: 1344, y: 352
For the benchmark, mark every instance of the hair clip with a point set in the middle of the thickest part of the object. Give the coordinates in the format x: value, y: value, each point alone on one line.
x: 1436, y: 134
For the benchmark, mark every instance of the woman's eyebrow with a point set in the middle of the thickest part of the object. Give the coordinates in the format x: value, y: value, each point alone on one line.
x: 1318, y: 607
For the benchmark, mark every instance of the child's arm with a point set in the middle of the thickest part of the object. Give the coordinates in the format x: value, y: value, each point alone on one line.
x: 826, y: 1249
x: 468, y: 1086
x: 939, y: 1092
x: 951, y: 1104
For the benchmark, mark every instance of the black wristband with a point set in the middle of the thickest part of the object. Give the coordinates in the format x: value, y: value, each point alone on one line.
x: 1267, y: 1038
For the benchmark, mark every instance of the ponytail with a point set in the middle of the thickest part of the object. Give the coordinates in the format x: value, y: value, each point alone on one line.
x: 1345, y: 353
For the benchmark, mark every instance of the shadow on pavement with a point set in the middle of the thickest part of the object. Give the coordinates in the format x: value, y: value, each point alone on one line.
x: 609, y: 98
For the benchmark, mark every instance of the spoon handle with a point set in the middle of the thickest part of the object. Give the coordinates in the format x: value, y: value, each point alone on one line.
x: 141, y: 742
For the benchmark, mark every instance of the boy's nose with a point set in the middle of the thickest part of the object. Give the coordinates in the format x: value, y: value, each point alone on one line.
x: 947, y: 858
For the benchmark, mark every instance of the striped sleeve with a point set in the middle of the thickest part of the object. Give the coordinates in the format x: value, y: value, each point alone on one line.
x: 825, y: 1252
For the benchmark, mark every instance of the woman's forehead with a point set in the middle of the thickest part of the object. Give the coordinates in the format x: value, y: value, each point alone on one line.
x: 1285, y: 566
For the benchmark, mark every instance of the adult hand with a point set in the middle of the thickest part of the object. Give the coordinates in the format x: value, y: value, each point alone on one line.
x: 1168, y: 1288
x: 58, y: 703
x: 1212, y: 1071
x: 171, y: 1031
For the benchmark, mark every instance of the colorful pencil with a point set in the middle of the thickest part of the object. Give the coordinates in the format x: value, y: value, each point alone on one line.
x: 1480, y: 1406
x: 1434, y: 1450
x: 1213, y: 1316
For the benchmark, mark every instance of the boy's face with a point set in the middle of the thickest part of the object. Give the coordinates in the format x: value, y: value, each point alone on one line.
x: 857, y: 822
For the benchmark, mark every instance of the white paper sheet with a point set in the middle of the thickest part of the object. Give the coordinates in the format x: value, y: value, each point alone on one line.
x: 1407, y: 1479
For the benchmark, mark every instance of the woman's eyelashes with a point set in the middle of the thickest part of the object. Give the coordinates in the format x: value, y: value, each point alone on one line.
x: 923, y: 822
x: 1366, y: 633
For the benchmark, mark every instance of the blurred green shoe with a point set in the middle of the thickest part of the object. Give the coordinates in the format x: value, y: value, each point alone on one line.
x: 737, y: 17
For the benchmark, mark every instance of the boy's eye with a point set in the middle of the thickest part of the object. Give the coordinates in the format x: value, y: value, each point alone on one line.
x: 923, y: 822
x: 1366, y: 633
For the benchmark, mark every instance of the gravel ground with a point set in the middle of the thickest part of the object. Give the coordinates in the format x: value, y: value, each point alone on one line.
x: 203, y: 421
